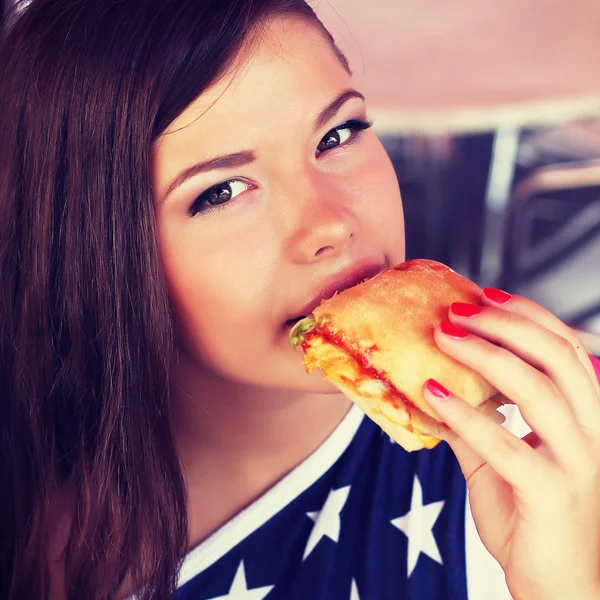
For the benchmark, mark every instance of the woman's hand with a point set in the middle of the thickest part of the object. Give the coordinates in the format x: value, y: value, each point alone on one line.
x: 536, y: 501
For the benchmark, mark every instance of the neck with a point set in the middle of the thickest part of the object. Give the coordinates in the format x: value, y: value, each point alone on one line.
x: 236, y: 441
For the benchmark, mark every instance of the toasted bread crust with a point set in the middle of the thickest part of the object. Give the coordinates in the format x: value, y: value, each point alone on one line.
x: 389, y: 321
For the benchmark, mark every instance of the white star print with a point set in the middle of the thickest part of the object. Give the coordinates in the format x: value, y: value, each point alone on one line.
x: 327, y: 520
x: 417, y: 525
x: 354, y: 591
x: 239, y: 589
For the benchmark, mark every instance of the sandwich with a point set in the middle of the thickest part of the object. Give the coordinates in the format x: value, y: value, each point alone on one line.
x: 374, y: 341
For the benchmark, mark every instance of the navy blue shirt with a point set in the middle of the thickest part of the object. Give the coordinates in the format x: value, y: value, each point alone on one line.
x: 359, y: 519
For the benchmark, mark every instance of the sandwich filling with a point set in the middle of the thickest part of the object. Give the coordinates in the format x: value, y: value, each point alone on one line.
x: 351, y: 371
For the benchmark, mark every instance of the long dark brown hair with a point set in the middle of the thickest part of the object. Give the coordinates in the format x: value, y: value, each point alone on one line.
x: 85, y: 323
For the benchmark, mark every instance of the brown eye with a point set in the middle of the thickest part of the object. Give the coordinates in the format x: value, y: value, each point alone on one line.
x: 330, y: 140
x: 347, y: 132
x: 218, y: 195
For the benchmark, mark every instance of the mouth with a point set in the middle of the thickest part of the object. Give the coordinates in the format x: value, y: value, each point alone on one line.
x: 339, y: 284
x: 291, y: 322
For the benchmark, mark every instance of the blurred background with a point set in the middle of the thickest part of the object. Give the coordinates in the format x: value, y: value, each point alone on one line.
x: 490, y: 112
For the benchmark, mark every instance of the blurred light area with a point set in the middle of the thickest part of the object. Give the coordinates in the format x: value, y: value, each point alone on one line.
x: 467, y: 66
x: 490, y: 112
x: 501, y: 175
x: 504, y: 156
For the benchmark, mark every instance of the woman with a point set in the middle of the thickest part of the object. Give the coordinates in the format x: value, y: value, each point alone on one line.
x: 179, y: 179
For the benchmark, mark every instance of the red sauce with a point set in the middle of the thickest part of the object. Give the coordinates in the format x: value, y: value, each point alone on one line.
x: 395, y: 397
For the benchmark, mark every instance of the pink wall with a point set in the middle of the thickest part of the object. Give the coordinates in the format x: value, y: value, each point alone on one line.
x: 432, y: 53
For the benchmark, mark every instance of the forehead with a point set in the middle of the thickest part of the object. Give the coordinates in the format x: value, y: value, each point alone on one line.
x: 290, y: 68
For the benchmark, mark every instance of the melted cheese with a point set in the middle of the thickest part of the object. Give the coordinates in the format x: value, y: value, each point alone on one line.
x: 340, y: 368
x: 380, y: 401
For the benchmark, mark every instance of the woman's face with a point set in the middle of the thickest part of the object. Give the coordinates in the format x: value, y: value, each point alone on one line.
x: 284, y: 201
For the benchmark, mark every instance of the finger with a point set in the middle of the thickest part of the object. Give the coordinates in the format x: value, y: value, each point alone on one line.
x: 544, y: 349
x: 531, y: 310
x: 470, y: 462
x: 465, y: 455
x: 538, y: 399
x: 532, y: 439
x: 496, y: 498
x: 510, y: 457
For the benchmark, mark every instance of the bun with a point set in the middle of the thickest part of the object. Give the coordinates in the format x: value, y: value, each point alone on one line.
x: 375, y: 342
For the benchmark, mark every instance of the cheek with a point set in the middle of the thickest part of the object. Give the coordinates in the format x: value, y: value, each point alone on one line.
x: 218, y: 267
x: 218, y: 294
x: 376, y: 200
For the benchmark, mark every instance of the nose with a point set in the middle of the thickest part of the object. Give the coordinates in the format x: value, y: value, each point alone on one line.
x: 324, y: 225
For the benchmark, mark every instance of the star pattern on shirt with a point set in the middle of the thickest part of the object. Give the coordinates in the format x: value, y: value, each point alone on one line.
x: 239, y: 588
x: 332, y: 552
x: 417, y: 524
x: 354, y: 591
x: 327, y: 520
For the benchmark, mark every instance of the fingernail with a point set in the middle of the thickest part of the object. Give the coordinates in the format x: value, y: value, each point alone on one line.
x: 437, y: 389
x: 462, y: 309
x: 452, y: 330
x: 496, y: 295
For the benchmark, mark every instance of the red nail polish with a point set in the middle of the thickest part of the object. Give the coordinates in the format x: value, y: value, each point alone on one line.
x: 496, y: 295
x: 437, y: 389
x: 462, y: 309
x: 453, y: 331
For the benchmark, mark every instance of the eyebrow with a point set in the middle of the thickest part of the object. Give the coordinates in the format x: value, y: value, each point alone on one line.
x: 245, y: 157
x: 332, y: 108
x: 227, y: 161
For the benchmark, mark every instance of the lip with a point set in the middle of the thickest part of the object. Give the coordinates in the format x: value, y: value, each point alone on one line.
x: 343, y: 281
